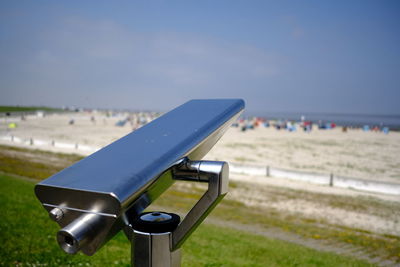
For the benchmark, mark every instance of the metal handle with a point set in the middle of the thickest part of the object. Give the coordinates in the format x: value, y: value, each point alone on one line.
x: 156, y: 249
x: 216, y: 174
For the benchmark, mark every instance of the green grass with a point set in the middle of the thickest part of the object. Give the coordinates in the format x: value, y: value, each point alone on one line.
x: 384, y: 246
x: 27, y: 238
x: 4, y: 109
x: 37, y: 165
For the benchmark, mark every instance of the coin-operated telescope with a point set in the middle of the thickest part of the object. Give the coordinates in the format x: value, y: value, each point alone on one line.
x: 107, y: 191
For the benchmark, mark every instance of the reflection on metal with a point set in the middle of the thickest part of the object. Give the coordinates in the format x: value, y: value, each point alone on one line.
x: 80, y: 232
x: 98, y: 196
x: 56, y: 214
x: 156, y: 217
x: 153, y: 249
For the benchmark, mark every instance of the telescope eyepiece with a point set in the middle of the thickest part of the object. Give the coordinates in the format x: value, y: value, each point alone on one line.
x: 67, y: 242
x: 78, y: 233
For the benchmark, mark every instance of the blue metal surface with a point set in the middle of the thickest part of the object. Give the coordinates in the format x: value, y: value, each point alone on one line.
x: 128, y: 171
x: 128, y: 164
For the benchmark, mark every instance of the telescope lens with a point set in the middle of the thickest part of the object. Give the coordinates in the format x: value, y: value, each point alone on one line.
x: 69, y: 240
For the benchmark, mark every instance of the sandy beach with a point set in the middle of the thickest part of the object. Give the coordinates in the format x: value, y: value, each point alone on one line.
x: 355, y: 153
x: 367, y: 155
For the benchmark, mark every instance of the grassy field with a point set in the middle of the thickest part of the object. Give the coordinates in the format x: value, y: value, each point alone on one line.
x: 384, y: 246
x: 4, y: 109
x: 35, y: 164
x: 28, y: 238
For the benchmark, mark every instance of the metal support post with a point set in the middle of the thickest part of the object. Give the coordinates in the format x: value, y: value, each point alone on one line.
x: 151, y: 240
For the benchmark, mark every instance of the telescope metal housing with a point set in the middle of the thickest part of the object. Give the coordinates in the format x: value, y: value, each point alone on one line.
x: 93, y: 199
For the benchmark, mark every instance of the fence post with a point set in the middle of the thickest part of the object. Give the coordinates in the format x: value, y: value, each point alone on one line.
x: 331, y: 180
x: 267, y: 171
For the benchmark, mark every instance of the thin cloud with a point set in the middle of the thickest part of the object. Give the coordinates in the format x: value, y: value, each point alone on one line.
x: 92, y: 57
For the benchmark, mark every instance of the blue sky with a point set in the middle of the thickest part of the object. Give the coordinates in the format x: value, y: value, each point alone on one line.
x: 281, y: 56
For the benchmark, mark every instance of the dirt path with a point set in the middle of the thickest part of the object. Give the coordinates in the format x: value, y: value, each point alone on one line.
x: 377, y: 213
x: 56, y: 160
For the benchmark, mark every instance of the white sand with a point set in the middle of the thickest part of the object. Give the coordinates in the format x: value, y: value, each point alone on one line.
x: 261, y: 192
x: 367, y: 155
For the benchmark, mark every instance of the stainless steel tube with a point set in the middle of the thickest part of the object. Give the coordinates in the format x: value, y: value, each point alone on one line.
x: 80, y: 232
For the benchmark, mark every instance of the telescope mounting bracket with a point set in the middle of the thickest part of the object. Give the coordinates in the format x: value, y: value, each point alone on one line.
x: 163, y: 249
